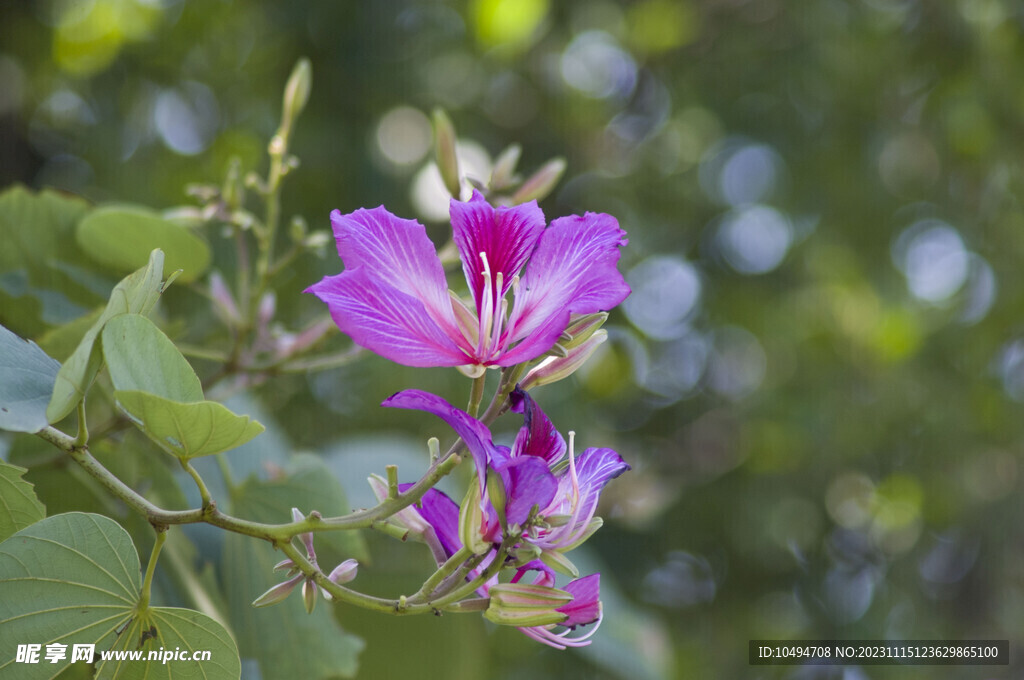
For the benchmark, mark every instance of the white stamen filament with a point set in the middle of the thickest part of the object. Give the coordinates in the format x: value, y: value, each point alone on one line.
x: 493, y: 307
x: 486, y: 311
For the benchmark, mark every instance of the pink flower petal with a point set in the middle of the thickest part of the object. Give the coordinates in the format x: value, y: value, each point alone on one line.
x: 506, y: 235
x: 386, y: 320
x: 573, y: 271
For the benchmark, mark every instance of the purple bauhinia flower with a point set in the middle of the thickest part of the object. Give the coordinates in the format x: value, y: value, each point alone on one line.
x: 537, y: 472
x: 393, y: 298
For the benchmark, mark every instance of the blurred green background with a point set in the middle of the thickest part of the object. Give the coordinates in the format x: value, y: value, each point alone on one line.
x: 818, y: 378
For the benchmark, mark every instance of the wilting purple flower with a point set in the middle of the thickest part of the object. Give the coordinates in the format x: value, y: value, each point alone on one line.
x: 540, y: 471
x: 393, y: 298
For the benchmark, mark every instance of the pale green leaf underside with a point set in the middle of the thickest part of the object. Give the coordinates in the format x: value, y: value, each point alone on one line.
x: 187, y: 430
x: 69, y: 579
x: 168, y: 628
x: 27, y: 376
x: 141, y: 358
x: 19, y: 506
x: 135, y: 294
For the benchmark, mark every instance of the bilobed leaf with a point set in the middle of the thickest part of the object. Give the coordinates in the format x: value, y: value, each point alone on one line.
x: 186, y: 430
x: 140, y: 357
x: 19, y: 505
x: 68, y: 579
x: 122, y: 237
x: 135, y: 294
x: 75, y: 579
x: 272, y: 635
x: 169, y: 629
x: 27, y: 375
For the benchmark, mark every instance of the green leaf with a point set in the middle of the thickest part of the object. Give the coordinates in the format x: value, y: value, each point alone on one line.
x: 75, y: 579
x: 19, y: 506
x: 27, y: 375
x: 45, y: 279
x: 188, y: 430
x: 135, y: 294
x: 285, y: 640
x: 122, y: 237
x: 61, y: 341
x: 168, y: 629
x: 140, y: 357
x: 69, y: 579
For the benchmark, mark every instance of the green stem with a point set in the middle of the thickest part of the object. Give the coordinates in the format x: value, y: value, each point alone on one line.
x: 471, y: 587
x: 204, y: 493
x: 361, y: 519
x: 443, y: 572
x: 476, y: 394
x: 147, y: 582
x: 83, y: 429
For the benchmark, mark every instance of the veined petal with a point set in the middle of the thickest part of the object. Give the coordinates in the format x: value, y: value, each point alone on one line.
x: 386, y: 320
x: 395, y: 251
x: 594, y: 469
x: 573, y: 271
x: 442, y: 513
x: 538, y: 436
x: 528, y: 482
x: 586, y: 605
x: 473, y: 432
x: 506, y: 235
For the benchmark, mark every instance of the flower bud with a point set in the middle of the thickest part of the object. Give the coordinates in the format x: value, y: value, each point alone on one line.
x: 540, y: 183
x: 444, y: 148
x: 524, y: 605
x: 505, y: 167
x: 309, y: 595
x: 471, y: 520
x: 580, y: 329
x: 554, y: 368
x: 344, y: 572
x: 296, y: 93
x: 278, y: 593
x: 559, y: 562
x: 497, y: 496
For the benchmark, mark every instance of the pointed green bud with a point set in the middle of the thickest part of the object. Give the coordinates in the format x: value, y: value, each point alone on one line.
x: 504, y: 171
x: 560, y: 563
x: 296, y: 94
x: 470, y: 521
x: 496, y: 493
x: 540, y: 183
x: 523, y: 605
x: 444, y: 150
